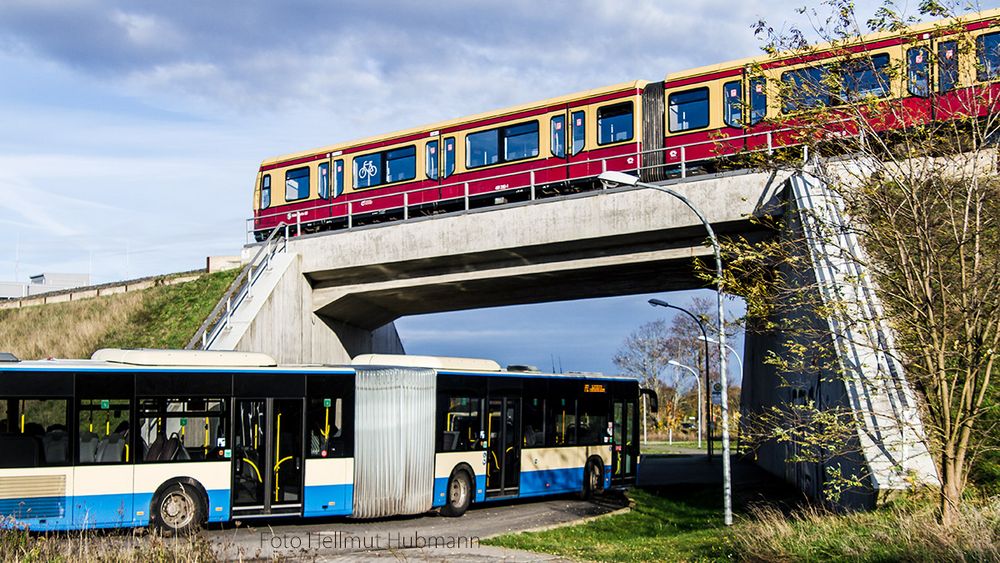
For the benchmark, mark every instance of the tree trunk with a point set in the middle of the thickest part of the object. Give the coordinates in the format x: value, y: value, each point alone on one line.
x: 951, y: 491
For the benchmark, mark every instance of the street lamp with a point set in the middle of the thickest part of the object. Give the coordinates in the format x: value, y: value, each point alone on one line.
x: 620, y: 178
x: 728, y: 347
x: 697, y: 386
x: 704, y: 337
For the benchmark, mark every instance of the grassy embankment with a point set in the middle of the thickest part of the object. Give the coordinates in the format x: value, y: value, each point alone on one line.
x: 686, y: 525
x: 160, y: 317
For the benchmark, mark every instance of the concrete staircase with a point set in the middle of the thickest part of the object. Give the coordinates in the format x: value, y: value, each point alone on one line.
x: 890, y: 432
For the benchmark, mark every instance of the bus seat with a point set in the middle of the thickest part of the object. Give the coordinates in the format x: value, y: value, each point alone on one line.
x: 169, y: 448
x: 156, y: 448
x: 19, y: 450
x: 88, y: 447
x: 56, y: 444
x: 450, y: 441
x: 531, y: 438
x: 111, y: 449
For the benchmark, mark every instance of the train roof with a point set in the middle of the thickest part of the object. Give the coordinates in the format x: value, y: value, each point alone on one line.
x: 820, y: 47
x: 458, y: 121
x: 143, y: 360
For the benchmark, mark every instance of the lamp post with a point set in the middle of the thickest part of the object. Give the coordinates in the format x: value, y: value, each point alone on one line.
x: 728, y: 347
x: 704, y: 337
x: 697, y: 386
x: 620, y: 178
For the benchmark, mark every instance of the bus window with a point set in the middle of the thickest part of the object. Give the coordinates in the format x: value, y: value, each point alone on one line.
x: 297, y: 184
x: 579, y: 128
x: 947, y: 66
x: 758, y: 100
x: 33, y: 433
x: 534, y: 423
x: 592, y: 427
x: 460, y: 424
x: 557, y: 130
x: 265, y: 191
x: 614, y: 123
x: 988, y: 54
x: 431, y: 160
x: 325, y: 421
x: 688, y: 110
x: 733, y: 103
x: 918, y: 70
x: 182, y: 430
x: 104, y: 427
x: 560, y: 422
x: 449, y: 156
x: 324, y: 180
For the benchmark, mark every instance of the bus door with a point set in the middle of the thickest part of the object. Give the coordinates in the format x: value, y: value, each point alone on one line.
x: 625, y: 446
x: 503, y: 447
x: 267, y: 457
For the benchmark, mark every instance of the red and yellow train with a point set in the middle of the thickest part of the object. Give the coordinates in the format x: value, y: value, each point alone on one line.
x: 653, y: 129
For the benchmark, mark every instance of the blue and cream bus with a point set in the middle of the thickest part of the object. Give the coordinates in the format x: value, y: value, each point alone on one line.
x: 178, y: 438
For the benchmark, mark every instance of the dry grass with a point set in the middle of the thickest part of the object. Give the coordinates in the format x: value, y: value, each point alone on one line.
x: 22, y: 547
x: 159, y: 317
x: 902, y: 532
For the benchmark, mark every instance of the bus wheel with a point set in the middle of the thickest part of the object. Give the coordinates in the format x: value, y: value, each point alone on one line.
x: 593, y: 480
x: 459, y: 494
x: 178, y: 510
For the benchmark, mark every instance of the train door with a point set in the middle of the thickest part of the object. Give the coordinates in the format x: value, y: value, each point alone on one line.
x: 267, y: 457
x: 625, y: 445
x: 577, y: 151
x: 503, y: 447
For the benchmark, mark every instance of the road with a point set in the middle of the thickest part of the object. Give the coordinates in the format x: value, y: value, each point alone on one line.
x: 403, y: 538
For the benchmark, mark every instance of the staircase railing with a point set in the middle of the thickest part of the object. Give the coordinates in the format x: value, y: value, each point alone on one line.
x: 221, y: 316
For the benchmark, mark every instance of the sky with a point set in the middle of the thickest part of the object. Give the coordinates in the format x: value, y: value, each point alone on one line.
x: 132, y: 130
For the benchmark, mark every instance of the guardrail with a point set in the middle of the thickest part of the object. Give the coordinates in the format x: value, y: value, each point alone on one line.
x: 221, y: 316
x: 678, y: 165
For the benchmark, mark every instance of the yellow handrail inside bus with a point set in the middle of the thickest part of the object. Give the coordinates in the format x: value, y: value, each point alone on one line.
x: 326, y: 424
x: 277, y: 457
x: 255, y: 470
x: 126, y: 453
x: 205, y: 445
x: 22, y: 423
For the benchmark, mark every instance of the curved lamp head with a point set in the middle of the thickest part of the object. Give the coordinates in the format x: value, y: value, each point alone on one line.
x: 612, y: 177
x: 676, y: 363
x: 658, y: 303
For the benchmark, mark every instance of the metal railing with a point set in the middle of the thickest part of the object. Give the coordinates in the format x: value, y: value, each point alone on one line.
x: 221, y: 316
x: 679, y: 165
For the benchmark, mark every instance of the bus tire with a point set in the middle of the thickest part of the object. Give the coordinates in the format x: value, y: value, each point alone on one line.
x: 459, y: 494
x: 178, y: 510
x: 593, y: 479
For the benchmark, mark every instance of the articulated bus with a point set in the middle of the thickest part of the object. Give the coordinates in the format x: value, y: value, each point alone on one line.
x: 174, y: 439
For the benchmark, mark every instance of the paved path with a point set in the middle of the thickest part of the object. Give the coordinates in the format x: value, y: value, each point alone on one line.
x: 404, y: 538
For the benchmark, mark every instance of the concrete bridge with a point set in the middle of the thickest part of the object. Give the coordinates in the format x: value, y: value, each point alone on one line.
x: 327, y: 297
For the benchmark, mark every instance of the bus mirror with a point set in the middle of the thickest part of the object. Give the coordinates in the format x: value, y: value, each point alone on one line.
x: 654, y: 402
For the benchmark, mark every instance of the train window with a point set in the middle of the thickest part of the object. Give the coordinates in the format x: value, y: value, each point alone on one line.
x: 614, y: 123
x: 758, y: 100
x: 688, y: 110
x: 807, y: 88
x: 520, y: 141
x: 324, y: 180
x: 579, y: 128
x: 918, y: 71
x: 297, y: 184
x: 482, y: 149
x: 338, y: 178
x: 732, y: 103
x: 947, y: 66
x: 265, y: 191
x: 865, y: 77
x: 988, y: 53
x: 401, y: 164
x: 431, y: 162
x: 557, y: 130
x: 449, y: 156
x: 396, y: 165
x: 34, y: 433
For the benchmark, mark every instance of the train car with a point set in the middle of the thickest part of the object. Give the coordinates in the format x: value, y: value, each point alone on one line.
x: 547, y: 147
x: 739, y: 105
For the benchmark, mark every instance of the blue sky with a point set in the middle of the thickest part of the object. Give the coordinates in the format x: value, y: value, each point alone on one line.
x: 132, y: 130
